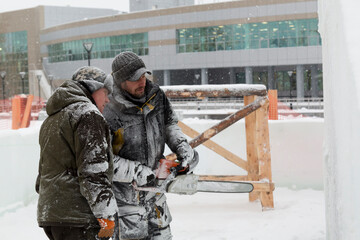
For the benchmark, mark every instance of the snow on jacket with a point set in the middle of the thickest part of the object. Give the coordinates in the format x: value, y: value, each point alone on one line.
x: 140, y: 133
x: 76, y: 165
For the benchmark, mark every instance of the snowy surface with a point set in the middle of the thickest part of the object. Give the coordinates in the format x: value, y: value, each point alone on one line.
x: 298, y: 215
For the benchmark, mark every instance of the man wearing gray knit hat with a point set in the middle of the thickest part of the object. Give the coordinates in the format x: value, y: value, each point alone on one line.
x: 142, y: 121
x: 128, y: 66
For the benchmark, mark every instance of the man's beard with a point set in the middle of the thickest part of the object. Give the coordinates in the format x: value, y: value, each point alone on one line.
x: 139, y: 92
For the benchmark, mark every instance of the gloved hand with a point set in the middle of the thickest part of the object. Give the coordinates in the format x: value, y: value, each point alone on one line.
x: 188, y: 163
x: 144, y: 175
x: 106, y: 228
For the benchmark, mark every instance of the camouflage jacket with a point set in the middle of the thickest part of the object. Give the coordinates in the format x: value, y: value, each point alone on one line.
x: 76, y: 164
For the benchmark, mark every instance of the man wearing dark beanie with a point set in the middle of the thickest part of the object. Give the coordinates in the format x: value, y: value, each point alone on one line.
x: 142, y: 121
x: 74, y: 183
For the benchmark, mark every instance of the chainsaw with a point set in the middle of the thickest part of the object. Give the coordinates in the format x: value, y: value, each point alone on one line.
x: 171, y: 179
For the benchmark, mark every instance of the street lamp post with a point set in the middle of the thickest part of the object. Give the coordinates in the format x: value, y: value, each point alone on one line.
x: 38, y: 76
x: 51, y: 79
x: 290, y: 74
x: 88, y: 47
x: 3, y: 75
x: 22, y: 75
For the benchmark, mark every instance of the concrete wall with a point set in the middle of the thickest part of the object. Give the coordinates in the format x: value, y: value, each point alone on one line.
x: 60, y: 15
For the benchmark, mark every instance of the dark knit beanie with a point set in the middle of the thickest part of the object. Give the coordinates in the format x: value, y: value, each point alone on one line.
x: 127, y: 66
x: 94, y: 78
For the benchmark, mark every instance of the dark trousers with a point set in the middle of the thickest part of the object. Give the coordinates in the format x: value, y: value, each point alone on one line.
x: 72, y: 233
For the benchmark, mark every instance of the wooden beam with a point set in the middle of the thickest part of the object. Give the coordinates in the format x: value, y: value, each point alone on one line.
x: 252, y: 159
x: 224, y: 177
x: 263, y: 154
x: 262, y: 186
x: 225, y: 90
x: 215, y: 147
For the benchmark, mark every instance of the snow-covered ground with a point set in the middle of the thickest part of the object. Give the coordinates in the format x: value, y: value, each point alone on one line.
x: 298, y: 215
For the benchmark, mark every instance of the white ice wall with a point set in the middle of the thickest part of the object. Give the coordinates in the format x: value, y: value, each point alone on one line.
x: 296, y: 150
x: 338, y: 20
x: 19, y: 157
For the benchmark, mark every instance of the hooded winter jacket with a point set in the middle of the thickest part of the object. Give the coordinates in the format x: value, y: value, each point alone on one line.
x: 76, y: 165
x: 141, y: 128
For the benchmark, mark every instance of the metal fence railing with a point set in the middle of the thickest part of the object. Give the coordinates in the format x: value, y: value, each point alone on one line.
x: 213, y: 107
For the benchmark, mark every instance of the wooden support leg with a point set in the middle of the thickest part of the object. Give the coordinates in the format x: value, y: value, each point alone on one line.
x: 263, y: 154
x: 253, y: 165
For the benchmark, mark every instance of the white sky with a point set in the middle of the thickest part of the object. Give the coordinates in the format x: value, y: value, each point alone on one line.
x: 121, y: 5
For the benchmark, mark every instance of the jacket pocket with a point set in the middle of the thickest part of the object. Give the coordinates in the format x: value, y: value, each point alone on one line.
x: 133, y: 222
x: 160, y: 216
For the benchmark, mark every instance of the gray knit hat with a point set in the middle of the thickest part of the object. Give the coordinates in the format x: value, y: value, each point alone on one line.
x: 94, y: 78
x: 127, y: 66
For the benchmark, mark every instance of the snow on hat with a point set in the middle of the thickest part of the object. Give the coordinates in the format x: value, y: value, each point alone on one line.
x: 94, y: 78
x: 127, y: 66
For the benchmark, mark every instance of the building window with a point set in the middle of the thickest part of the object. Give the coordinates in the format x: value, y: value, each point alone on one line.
x: 278, y: 34
x: 104, y: 47
x: 14, y: 59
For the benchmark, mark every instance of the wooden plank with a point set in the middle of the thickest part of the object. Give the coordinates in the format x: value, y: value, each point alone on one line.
x: 262, y: 187
x: 223, y: 177
x: 252, y: 159
x: 215, y: 147
x: 202, y: 91
x: 264, y: 155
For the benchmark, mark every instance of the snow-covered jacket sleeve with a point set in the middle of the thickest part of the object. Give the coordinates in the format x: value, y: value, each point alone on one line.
x: 124, y: 169
x: 175, y: 138
x: 95, y: 164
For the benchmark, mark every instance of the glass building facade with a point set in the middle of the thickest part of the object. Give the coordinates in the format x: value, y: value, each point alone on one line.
x: 277, y: 34
x: 14, y: 58
x: 103, y: 47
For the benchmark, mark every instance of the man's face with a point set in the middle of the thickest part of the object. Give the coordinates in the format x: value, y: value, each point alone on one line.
x: 137, y: 88
x: 101, y: 98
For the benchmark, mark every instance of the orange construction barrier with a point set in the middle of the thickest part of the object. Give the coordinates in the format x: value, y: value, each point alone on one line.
x: 26, y: 116
x: 273, y: 104
x: 16, y: 112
